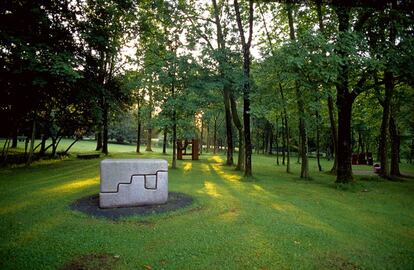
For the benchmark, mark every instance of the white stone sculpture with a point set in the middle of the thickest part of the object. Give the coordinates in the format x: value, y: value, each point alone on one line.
x: 133, y: 182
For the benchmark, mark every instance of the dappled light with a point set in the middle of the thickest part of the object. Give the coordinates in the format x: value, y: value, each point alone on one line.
x: 211, y: 189
x: 187, y: 166
x: 73, y: 186
x: 232, y: 177
x: 216, y: 159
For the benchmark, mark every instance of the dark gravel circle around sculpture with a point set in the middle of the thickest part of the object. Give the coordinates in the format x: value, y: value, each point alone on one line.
x: 90, y: 206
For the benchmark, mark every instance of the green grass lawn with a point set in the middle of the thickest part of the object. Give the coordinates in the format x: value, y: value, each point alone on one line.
x: 276, y: 221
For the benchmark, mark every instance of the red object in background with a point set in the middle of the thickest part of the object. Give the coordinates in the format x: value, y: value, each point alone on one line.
x: 377, y: 168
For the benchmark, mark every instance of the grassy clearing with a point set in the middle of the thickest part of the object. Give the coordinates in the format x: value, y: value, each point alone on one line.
x: 276, y: 221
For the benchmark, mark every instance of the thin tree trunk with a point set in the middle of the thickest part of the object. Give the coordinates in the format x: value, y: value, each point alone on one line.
x: 304, y: 172
x: 149, y: 135
x: 99, y: 140
x: 277, y: 141
x: 138, y: 149
x: 29, y: 159
x: 318, y: 140
x: 208, y: 138
x: 105, y: 130
x: 239, y: 126
x: 334, y: 133
x: 164, y: 142
x: 395, y: 148
x: 229, y: 131
x: 43, y: 146
x: 201, y: 136
x: 246, y: 85
x: 287, y: 132
x: 215, y: 136
x: 14, y: 139
x: 70, y: 146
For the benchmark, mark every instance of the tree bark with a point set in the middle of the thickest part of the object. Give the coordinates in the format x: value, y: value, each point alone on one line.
x: 14, y: 139
x: 229, y: 131
x: 239, y: 126
x: 246, y: 84
x: 29, y: 159
x: 383, y: 143
x: 105, y: 129
x: 318, y: 140
x: 287, y: 133
x: 98, y: 140
x: 395, y: 148
x: 334, y: 133
x: 149, y: 135
x: 277, y: 141
x: 164, y: 142
x: 138, y: 149
x: 215, y: 136
x: 344, y: 103
x: 304, y: 172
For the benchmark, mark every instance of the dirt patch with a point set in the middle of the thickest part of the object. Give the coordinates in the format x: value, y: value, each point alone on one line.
x: 90, y: 206
x: 92, y: 262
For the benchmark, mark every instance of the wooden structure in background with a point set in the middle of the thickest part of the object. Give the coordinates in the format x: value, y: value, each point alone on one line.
x: 182, y: 149
x: 362, y: 159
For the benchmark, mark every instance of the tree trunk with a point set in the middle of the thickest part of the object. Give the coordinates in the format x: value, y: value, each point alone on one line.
x: 395, y: 148
x: 270, y: 139
x: 246, y: 85
x: 334, y: 133
x: 304, y: 172
x: 174, y: 131
x: 138, y: 150
x: 344, y: 169
x: 201, y: 136
x: 229, y: 131
x: 239, y: 126
x: 287, y: 133
x: 215, y: 136
x: 164, y: 142
x: 149, y: 135
x: 318, y: 140
x: 98, y: 140
x: 383, y: 143
x: 277, y: 141
x: 105, y: 130
x: 72, y: 144
x: 32, y: 141
x: 14, y: 139
x: 43, y: 146
x: 344, y: 102
x: 208, y: 138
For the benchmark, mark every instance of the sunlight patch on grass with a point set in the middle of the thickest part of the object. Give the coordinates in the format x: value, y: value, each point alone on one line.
x: 205, y: 168
x: 232, y: 177
x: 258, y: 188
x: 73, y: 186
x: 216, y: 159
x: 211, y: 189
x: 187, y: 166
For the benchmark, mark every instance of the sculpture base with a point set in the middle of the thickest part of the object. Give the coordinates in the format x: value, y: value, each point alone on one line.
x: 90, y: 206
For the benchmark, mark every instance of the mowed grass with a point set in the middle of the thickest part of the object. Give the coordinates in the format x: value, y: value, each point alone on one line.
x: 273, y: 221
